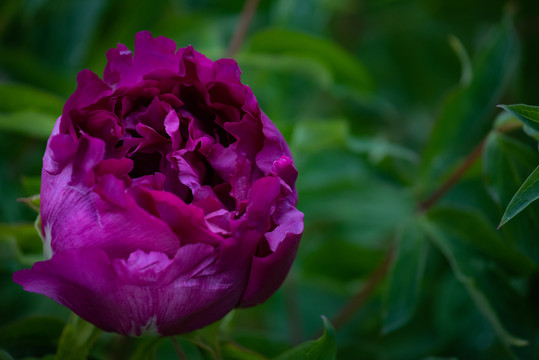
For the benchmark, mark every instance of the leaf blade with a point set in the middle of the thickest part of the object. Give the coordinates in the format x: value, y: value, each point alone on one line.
x: 77, y: 339
x: 465, y: 112
x: 402, y: 294
x: 323, y: 348
x: 461, y: 270
x: 29, y: 123
x: 526, y: 194
x: 528, y: 114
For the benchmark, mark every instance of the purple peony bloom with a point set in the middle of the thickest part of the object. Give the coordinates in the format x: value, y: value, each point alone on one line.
x: 168, y: 197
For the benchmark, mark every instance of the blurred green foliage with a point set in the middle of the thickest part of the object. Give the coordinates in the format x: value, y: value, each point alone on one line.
x: 381, y: 102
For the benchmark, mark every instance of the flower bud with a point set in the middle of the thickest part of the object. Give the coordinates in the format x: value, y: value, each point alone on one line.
x: 168, y: 197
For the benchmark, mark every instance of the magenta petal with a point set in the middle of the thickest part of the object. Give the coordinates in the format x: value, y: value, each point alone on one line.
x: 268, y: 273
x: 191, y: 260
x: 118, y: 66
x: 274, y: 146
x: 186, y: 221
x: 151, y: 53
x: 227, y: 70
x: 263, y: 194
x: 172, y: 128
x: 141, y: 268
x: 90, y: 152
x: 193, y: 65
x: 90, y: 88
x: 223, y: 160
x: 284, y: 168
x: 84, y: 281
x: 74, y: 219
x: 60, y: 150
x: 208, y: 294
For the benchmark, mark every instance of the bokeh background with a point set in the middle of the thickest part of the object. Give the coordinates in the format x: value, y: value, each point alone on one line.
x: 380, y: 100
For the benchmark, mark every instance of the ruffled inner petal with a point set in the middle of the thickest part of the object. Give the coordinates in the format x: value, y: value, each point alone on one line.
x: 141, y: 268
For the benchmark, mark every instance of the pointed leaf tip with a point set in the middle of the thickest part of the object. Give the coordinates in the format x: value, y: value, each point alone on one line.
x: 526, y: 194
x: 527, y: 114
x: 323, y: 348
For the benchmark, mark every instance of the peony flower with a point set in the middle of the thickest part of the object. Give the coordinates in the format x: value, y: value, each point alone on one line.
x: 168, y: 197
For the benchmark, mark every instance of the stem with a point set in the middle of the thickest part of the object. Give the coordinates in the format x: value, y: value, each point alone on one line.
x: 453, y: 179
x: 461, y: 170
x: 178, y: 348
x: 373, y: 281
x: 240, y: 32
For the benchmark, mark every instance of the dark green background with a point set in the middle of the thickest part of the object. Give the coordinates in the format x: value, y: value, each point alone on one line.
x: 379, y: 109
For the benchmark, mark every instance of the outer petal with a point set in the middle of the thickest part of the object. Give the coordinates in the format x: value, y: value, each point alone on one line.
x: 84, y: 281
x: 268, y: 273
x: 133, y: 296
x: 80, y: 220
x: 191, y: 303
x: 75, y: 215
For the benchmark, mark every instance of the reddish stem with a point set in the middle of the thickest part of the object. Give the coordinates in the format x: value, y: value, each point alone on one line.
x: 373, y: 281
x: 453, y: 179
x: 247, y: 14
x: 178, y: 348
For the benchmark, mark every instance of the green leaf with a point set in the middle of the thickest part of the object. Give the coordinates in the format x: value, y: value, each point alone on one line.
x: 20, y: 242
x: 28, y: 122
x: 343, y: 65
x: 506, y: 120
x: 528, y: 114
x: 473, y: 228
x: 323, y: 348
x: 460, y: 51
x: 465, y: 268
x: 377, y: 149
x: 33, y: 336
x: 233, y: 351
x: 208, y: 339
x: 317, y: 135
x: 14, y: 97
x: 77, y: 339
x: 406, y: 274
x: 28, y: 240
x: 341, y: 198
x: 528, y: 193
x: 289, y: 64
x: 31, y: 185
x: 506, y: 164
x: 318, y: 265
x: 464, y: 119
x: 146, y: 348
x: 32, y: 201
x: 24, y: 66
x: 4, y: 355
